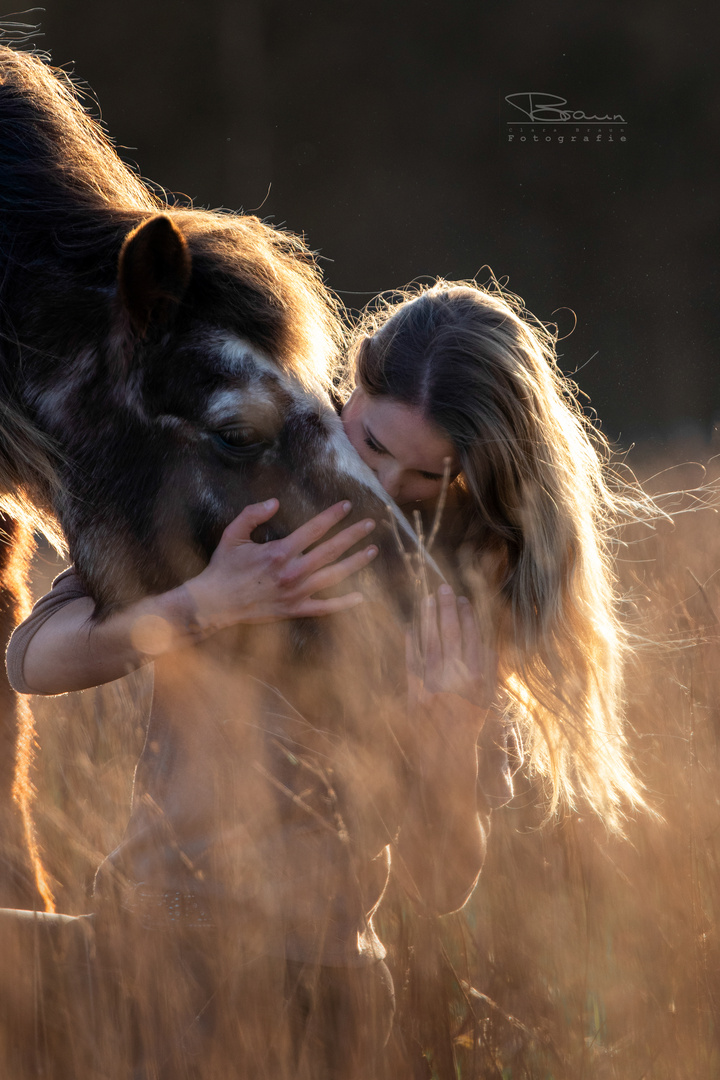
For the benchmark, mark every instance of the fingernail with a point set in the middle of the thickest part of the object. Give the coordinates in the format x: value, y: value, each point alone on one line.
x: 369, y: 526
x: 463, y: 600
x: 445, y: 590
x: 430, y: 601
x: 269, y: 503
x: 371, y: 552
x: 346, y: 506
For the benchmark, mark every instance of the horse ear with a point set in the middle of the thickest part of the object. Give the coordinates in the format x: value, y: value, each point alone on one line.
x: 153, y: 272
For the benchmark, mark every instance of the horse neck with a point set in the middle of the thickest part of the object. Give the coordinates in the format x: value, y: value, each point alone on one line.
x: 66, y: 201
x: 17, y: 888
x: 63, y: 188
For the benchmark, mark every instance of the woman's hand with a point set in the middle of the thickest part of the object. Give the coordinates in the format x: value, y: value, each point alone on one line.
x: 246, y: 582
x: 451, y: 658
x: 451, y: 684
x: 243, y: 582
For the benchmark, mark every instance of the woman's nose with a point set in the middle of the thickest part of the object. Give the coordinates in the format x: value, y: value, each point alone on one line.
x: 390, y: 475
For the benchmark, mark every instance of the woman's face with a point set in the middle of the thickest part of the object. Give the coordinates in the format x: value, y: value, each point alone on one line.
x: 404, y: 449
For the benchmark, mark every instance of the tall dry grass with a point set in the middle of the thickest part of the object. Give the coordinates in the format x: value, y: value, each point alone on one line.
x: 580, y: 956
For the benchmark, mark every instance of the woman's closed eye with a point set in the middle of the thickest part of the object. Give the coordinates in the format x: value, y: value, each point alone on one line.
x: 377, y: 448
x: 373, y: 444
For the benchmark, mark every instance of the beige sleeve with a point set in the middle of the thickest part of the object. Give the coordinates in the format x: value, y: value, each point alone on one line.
x: 65, y: 588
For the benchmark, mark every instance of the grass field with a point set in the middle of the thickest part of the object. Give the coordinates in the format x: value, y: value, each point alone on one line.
x: 580, y: 956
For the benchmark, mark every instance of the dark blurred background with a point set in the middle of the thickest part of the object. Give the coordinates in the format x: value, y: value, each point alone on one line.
x: 380, y: 130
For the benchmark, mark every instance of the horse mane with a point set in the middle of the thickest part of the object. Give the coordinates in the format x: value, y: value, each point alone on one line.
x: 55, y: 163
x: 55, y: 157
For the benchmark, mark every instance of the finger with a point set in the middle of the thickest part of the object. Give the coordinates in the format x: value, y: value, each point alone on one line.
x: 470, y: 636
x: 449, y: 625
x: 241, y: 528
x: 314, y: 529
x: 333, y: 575
x: 311, y: 607
x: 332, y: 549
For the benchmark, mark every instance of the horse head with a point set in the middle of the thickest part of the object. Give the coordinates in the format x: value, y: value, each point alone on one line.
x: 203, y: 394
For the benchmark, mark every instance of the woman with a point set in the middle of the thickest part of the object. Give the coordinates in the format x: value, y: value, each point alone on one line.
x: 458, y: 385
x: 529, y: 516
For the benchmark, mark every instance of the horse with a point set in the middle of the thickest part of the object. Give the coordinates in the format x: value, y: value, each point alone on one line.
x: 161, y: 367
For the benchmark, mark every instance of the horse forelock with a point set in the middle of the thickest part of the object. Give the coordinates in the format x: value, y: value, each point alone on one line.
x: 262, y: 285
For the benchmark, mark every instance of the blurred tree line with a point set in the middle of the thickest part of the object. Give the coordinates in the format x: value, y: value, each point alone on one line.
x: 380, y: 131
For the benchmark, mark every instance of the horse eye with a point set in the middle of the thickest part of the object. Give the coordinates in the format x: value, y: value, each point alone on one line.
x: 239, y: 441
x: 237, y: 436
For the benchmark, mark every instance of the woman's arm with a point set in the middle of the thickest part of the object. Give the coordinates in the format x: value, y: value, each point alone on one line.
x: 244, y: 582
x: 442, y: 842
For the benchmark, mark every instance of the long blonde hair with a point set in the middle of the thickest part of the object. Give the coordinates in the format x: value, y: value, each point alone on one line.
x: 540, y: 506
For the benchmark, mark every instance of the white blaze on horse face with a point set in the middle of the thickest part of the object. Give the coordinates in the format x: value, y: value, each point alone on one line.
x: 347, y: 460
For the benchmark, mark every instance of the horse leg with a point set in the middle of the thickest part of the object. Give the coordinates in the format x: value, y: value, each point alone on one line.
x: 47, y: 995
x: 23, y: 883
